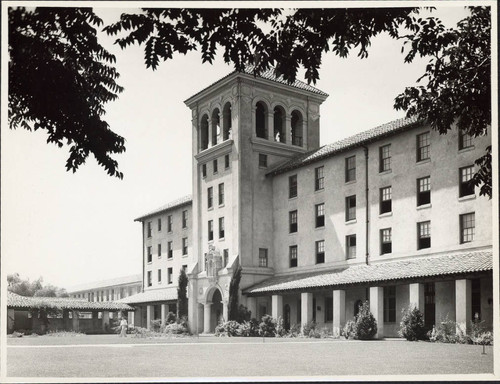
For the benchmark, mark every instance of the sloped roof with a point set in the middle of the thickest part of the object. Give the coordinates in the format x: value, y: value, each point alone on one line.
x: 131, y: 279
x: 167, y: 294
x: 17, y: 301
x: 269, y: 74
x: 344, y: 144
x: 173, y: 204
x: 448, y: 264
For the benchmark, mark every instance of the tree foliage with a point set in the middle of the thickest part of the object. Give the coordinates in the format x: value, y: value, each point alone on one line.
x: 25, y: 287
x: 234, y: 287
x: 182, y: 300
x: 60, y: 77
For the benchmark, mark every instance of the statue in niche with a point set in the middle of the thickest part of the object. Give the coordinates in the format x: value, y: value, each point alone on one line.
x: 213, y: 263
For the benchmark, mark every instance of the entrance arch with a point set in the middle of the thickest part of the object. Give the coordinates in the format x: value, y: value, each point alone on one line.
x: 214, y: 309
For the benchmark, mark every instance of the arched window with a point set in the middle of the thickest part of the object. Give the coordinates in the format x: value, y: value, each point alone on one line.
x: 215, y: 126
x: 261, y: 120
x: 297, y: 123
x: 279, y: 124
x: 357, y: 305
x: 226, y: 122
x: 204, y: 133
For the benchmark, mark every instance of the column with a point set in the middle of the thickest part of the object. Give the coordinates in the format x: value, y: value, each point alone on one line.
x: 377, y: 309
x: 207, y: 307
x: 11, y: 315
x: 270, y: 126
x: 163, y: 313
x: 277, y: 306
x: 193, y: 323
x: 288, y: 129
x: 209, y: 132
x: 463, y: 304
x: 417, y: 296
x: 105, y: 319
x: 306, y: 309
x: 338, y: 311
x: 252, y: 306
x: 131, y: 318
x: 149, y: 316
x: 303, y: 129
x: 75, y: 321
x: 225, y: 310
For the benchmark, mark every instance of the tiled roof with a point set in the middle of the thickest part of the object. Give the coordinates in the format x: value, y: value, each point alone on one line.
x: 167, y: 294
x: 131, y: 279
x: 17, y: 301
x: 344, y: 144
x: 448, y: 264
x: 268, y: 75
x: 173, y: 204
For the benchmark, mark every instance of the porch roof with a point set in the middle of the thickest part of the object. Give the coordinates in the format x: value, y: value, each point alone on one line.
x: 150, y: 296
x: 439, y: 265
x: 25, y: 302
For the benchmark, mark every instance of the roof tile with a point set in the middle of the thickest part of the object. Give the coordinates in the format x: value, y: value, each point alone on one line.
x: 173, y: 204
x: 151, y: 296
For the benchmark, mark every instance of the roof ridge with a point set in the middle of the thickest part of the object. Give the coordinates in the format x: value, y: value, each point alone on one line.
x: 170, y: 205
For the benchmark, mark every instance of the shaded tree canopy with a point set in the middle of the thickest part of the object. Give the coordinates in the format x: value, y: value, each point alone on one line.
x: 458, y: 82
x: 25, y: 287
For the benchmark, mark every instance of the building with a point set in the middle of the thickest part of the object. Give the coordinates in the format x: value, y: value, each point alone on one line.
x: 108, y: 290
x: 386, y: 215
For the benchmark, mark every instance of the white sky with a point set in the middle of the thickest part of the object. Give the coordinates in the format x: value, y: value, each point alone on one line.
x: 77, y: 228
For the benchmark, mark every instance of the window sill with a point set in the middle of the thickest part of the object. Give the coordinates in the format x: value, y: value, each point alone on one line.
x: 292, y: 198
x: 467, y: 149
x: 350, y: 182
x: 210, y: 208
x: 424, y: 206
x: 319, y: 190
x: 352, y: 221
x: 262, y: 167
x: 319, y: 228
x: 170, y: 258
x: 386, y: 172
x: 425, y: 161
x: 292, y: 233
x: 221, y: 205
x: 468, y: 197
x: 385, y: 214
x: 186, y: 255
x: 149, y: 262
x: 221, y: 239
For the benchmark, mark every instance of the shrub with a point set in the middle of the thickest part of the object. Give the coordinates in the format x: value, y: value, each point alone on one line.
x: 142, y: 332
x: 229, y: 328
x: 244, y: 314
x: 280, y: 328
x: 349, y: 330
x: 249, y: 328
x: 412, y: 324
x: 307, y: 328
x: 326, y: 332
x: 294, y: 330
x: 267, y: 327
x: 366, y: 325
x: 170, y: 318
x: 156, y: 325
x: 64, y: 333
x: 176, y: 329
x: 483, y: 338
x: 444, y: 332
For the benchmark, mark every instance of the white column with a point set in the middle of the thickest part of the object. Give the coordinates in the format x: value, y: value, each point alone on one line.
x: 105, y: 319
x: 75, y: 321
x: 209, y: 132
x: 338, y: 311
x: 207, y: 311
x: 377, y: 309
x: 163, y: 313
x: 149, y: 316
x: 306, y: 309
x: 463, y: 304
x: 417, y: 296
x: 288, y: 129
x: 277, y: 306
x: 131, y: 318
x: 270, y: 126
x: 225, y: 310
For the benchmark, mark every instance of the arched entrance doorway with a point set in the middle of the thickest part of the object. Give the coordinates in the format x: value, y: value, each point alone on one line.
x: 216, y: 310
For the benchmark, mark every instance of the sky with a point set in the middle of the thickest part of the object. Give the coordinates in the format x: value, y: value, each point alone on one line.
x: 74, y: 228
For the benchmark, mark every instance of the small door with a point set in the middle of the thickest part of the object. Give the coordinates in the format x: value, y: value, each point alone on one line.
x: 286, y: 315
x: 430, y: 305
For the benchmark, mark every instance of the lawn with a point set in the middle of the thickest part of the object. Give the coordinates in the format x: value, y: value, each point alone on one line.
x: 110, y: 356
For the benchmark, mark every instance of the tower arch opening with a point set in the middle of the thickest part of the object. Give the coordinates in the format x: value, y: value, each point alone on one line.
x: 297, y: 128
x: 279, y: 124
x: 226, y: 121
x: 261, y: 120
x: 204, y: 132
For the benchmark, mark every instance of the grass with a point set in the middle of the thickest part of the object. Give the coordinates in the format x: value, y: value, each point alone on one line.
x: 111, y: 356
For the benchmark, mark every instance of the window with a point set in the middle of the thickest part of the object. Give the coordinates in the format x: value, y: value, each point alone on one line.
x: 203, y: 170
x: 350, y: 208
x: 467, y: 227
x: 385, y: 158
x: 150, y: 254
x: 385, y: 241
x: 169, y: 223
x: 328, y: 309
x: 149, y: 228
x: 215, y: 166
x: 423, y: 146
x: 169, y: 275
x: 150, y: 281
x: 293, y: 256
x: 320, y: 251
x: 226, y: 162
x: 350, y: 169
x: 350, y: 246
x: 210, y: 230
x: 184, y: 268
x: 262, y: 257
x: 184, y: 246
x: 320, y: 215
x: 159, y: 250
x: 385, y: 199
x: 292, y: 186
x: 159, y: 225
x: 390, y: 304
x: 170, y: 250
x: 424, y: 234
x: 159, y: 276
x: 221, y: 193
x: 184, y: 219
x: 293, y: 221
x: 464, y: 140
x: 221, y: 227
x: 226, y: 257
x: 423, y: 191
x: 210, y: 197
x: 262, y: 160
x: 466, y: 186
x: 319, y: 179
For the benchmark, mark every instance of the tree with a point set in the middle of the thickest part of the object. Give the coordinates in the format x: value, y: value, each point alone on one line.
x: 59, y: 81
x: 24, y: 287
x: 234, y: 287
x: 182, y: 300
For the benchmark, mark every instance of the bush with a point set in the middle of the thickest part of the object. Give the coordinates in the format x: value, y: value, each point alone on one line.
x: 170, y: 318
x: 280, y: 328
x: 412, y: 324
x: 483, y: 338
x: 349, y: 330
x: 444, y: 332
x: 156, y: 325
x: 64, y: 333
x: 244, y: 314
x: 307, y: 328
x: 267, y: 327
x: 294, y: 331
x: 143, y: 332
x: 229, y: 328
x: 176, y: 329
x: 366, y: 325
x: 326, y: 332
x: 249, y: 328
